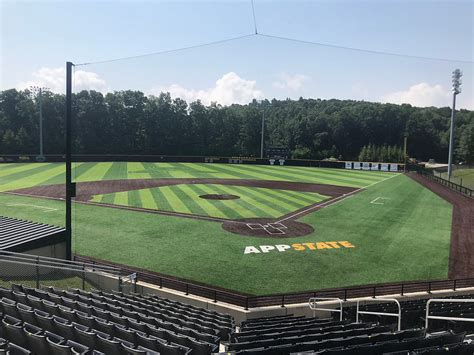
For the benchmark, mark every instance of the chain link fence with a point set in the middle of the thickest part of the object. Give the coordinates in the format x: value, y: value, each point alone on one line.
x: 36, y: 271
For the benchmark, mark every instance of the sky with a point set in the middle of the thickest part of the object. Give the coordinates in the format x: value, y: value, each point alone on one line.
x: 38, y: 37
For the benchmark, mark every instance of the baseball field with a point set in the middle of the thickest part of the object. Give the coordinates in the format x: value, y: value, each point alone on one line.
x: 254, y: 229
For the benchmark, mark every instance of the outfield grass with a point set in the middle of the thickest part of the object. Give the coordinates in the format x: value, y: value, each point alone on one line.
x: 405, y: 238
x: 16, y: 176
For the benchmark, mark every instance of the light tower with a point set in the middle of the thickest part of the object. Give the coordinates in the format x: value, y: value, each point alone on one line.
x: 38, y: 93
x: 457, y: 74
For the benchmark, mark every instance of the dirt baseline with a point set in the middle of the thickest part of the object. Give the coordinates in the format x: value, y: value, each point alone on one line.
x: 285, y: 226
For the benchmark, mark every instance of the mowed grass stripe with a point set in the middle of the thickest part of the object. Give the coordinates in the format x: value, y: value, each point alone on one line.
x: 137, y: 171
x: 230, y: 208
x: 121, y: 198
x: 96, y: 173
x: 316, y: 176
x: 282, y: 199
x: 134, y: 198
x: 174, y: 201
x: 248, y: 210
x: 273, y: 211
x: 190, y: 198
x: 310, y: 197
x: 147, y: 199
x: 157, y: 170
x: 16, y: 168
x: 117, y: 171
x: 160, y: 200
x: 255, y: 172
x: 231, y: 170
x: 280, y: 195
x: 209, y: 208
x: 345, y: 172
x: 334, y: 174
x: 16, y: 176
x: 269, y: 197
x: 81, y: 169
x: 249, y: 173
x: 201, y: 167
x: 34, y: 177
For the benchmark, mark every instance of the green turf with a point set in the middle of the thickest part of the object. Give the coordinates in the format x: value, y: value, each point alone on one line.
x: 16, y: 176
x: 253, y: 202
x: 405, y: 238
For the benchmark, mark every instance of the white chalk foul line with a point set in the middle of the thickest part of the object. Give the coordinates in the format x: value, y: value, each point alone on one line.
x: 333, y: 201
x: 49, y: 209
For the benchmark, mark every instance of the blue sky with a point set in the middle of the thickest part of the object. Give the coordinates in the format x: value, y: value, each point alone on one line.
x: 38, y: 37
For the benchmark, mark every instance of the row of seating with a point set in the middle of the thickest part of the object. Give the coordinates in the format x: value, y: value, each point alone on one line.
x: 288, y: 327
x: 342, y: 338
x: 123, y: 308
x: 111, y: 325
x: 351, y: 337
x: 414, y: 313
x: 348, y: 328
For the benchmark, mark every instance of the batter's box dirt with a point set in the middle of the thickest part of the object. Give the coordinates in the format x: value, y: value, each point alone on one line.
x: 266, y: 227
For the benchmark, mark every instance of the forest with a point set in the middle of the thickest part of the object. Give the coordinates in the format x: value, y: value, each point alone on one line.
x: 129, y: 122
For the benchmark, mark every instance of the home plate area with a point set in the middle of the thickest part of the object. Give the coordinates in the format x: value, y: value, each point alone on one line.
x: 267, y: 227
x: 270, y: 228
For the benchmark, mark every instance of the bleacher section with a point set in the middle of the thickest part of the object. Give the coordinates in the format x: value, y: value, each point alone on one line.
x: 53, y: 321
x: 292, y: 335
x: 414, y: 314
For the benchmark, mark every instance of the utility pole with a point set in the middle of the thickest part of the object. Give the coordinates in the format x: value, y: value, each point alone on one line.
x: 38, y: 93
x: 41, y: 122
x: 405, y: 153
x: 457, y: 74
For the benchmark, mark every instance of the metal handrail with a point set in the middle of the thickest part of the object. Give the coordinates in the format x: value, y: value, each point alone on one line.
x: 444, y: 300
x: 17, y: 262
x: 398, y: 315
x: 55, y: 261
x: 313, y: 305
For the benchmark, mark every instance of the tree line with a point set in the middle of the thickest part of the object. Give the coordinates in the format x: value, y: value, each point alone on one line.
x: 129, y: 122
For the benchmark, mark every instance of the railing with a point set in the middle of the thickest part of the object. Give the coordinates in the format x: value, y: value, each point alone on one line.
x: 54, y: 262
x: 444, y: 300
x: 382, y: 300
x: 247, y: 301
x: 453, y: 186
x: 37, y: 271
x: 313, y: 305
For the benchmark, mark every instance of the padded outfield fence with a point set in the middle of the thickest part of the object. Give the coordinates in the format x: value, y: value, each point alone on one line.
x: 248, y: 301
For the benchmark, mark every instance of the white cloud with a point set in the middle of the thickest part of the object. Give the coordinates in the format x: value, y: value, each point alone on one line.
x: 291, y: 82
x: 55, y: 80
x: 229, y: 89
x: 421, y: 95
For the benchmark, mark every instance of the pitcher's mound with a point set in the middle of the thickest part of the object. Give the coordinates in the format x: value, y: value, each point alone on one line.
x: 266, y: 227
x: 219, y: 197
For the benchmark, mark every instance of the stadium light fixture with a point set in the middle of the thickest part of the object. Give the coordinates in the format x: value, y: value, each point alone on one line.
x: 457, y: 74
x: 37, y: 92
